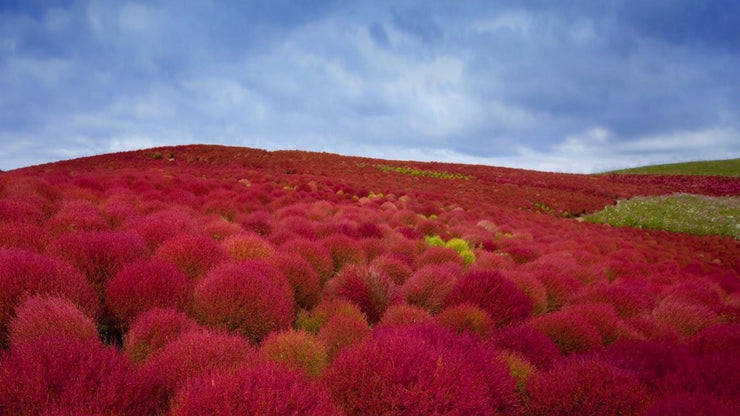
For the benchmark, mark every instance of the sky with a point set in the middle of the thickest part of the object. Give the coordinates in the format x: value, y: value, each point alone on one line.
x: 569, y: 86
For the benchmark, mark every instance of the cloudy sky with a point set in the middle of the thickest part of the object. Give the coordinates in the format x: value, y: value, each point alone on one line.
x: 575, y: 86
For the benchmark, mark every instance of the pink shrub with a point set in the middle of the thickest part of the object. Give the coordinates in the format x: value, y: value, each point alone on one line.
x: 297, y: 349
x: 367, y: 287
x: 263, y: 389
x: 686, y: 318
x: 160, y: 225
x: 429, y: 286
x: 532, y: 288
x: 17, y: 211
x: 394, y: 267
x: 194, y: 354
x: 439, y: 256
x: 602, y: 317
x: 246, y: 297
x: 24, y: 236
x: 522, y: 251
x: 341, y: 331
x: 220, y: 229
x: 559, y: 288
x: 314, y: 253
x: 318, y: 316
x: 402, y: 314
x: 373, y: 247
x: 248, y: 247
x: 44, y: 315
x: 488, y: 289
x: 571, y: 332
x: 586, y: 386
x: 24, y: 273
x: 258, y: 222
x: 143, y: 285
x: 703, y: 404
x: 76, y: 215
x: 99, y: 254
x: 302, y: 277
x: 707, y: 374
x: 152, y: 329
x: 193, y: 255
x: 73, y: 376
x: 628, y: 301
x: 531, y: 343
x: 717, y: 338
x: 421, y: 370
x: 344, y: 251
x: 650, y: 360
x: 466, y: 317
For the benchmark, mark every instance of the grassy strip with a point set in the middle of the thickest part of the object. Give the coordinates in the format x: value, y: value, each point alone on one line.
x: 727, y: 167
x: 693, y: 214
x: 418, y: 172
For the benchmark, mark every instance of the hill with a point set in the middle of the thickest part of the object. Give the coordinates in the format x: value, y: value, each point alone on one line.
x: 725, y: 167
x: 226, y: 280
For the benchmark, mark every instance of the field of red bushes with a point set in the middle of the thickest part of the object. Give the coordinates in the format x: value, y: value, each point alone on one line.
x: 205, y: 280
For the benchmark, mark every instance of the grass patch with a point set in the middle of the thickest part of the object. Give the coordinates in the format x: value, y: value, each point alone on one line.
x: 693, y: 214
x: 420, y: 172
x: 726, y: 167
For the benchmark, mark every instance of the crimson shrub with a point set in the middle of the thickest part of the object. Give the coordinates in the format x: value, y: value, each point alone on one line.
x: 152, y: 329
x: 47, y: 315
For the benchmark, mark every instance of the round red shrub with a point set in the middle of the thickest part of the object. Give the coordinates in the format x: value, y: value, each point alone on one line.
x: 152, y: 329
x: 264, y: 389
x: 488, y: 289
x: 586, y: 386
x: 717, y: 338
x: 402, y: 314
x: 602, y: 317
x: 650, y: 360
x: 344, y: 251
x: 194, y: 255
x: 627, y: 300
x: 24, y: 236
x: 398, y: 270
x: 571, y: 332
x: 421, y: 370
x: 220, y: 229
x: 706, y: 374
x: 248, y: 247
x: 160, y: 225
x: 100, y: 254
x: 366, y: 286
x: 78, y: 376
x: 686, y: 318
x: 143, y: 285
x: 259, y: 222
x: 439, y: 256
x: 297, y: 349
x: 245, y: 297
x: 703, y: 404
x: 466, y: 317
x: 559, y: 288
x: 16, y: 211
x: 534, y: 345
x: 302, y: 277
x: 76, y: 215
x: 341, y: 331
x: 24, y: 273
x: 314, y: 253
x: 46, y: 315
x: 313, y: 320
x: 429, y: 286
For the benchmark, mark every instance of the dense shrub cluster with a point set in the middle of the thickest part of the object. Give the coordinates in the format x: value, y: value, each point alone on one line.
x: 237, y: 281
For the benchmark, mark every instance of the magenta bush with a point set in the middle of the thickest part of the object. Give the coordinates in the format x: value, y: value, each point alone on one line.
x: 344, y: 251
x: 99, y: 254
x: 439, y: 256
x: 366, y: 286
x: 429, y: 286
x: 466, y: 317
x: 25, y: 236
x: 403, y: 314
x: 421, y: 370
x: 704, y: 404
x: 571, y: 332
x: 143, y: 285
x: 158, y: 226
x: 71, y: 376
x: 394, y: 266
x: 194, y: 255
x: 242, y: 247
x: 246, y: 297
x: 264, y: 389
x: 343, y: 330
x: 531, y: 343
x: 586, y: 386
x: 315, y: 253
x: 76, y: 215
x: 650, y: 360
x: 297, y: 349
x: 628, y: 300
x: 17, y: 211
x: 302, y: 277
x: 717, y: 338
x: 488, y: 289
x: 24, y: 274
x: 47, y: 315
x: 152, y: 329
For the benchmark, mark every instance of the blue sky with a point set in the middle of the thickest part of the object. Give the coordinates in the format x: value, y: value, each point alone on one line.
x: 573, y: 86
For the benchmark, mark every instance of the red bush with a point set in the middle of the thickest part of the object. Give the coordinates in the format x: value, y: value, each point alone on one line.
x: 220, y: 229
x: 264, y: 389
x: 302, y: 277
x: 24, y: 236
x: 704, y: 404
x: 627, y: 300
x: 158, y: 226
x: 194, y: 255
x: 73, y: 376
x: 534, y: 345
x: 152, y: 329
x: 16, y: 211
x: 586, y: 386
x: 421, y: 370
x: 26, y: 274
x: 297, y: 349
x: 717, y: 338
x: 429, y: 286
x: 344, y: 251
x: 143, y: 285
x: 402, y: 314
x: 439, y: 256
x: 650, y: 360
x: 314, y: 253
x: 76, y: 215
x: 341, y: 331
x: 571, y: 332
x: 686, y: 318
x: 602, y: 317
x: 398, y: 270
x: 246, y: 297
x: 248, y: 247
x: 488, y: 289
x: 318, y: 316
x: 466, y: 317
x: 367, y: 287
x: 45, y: 315
x: 100, y: 254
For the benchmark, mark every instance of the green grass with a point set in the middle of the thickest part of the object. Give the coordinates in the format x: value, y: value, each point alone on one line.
x: 693, y: 214
x: 726, y: 167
